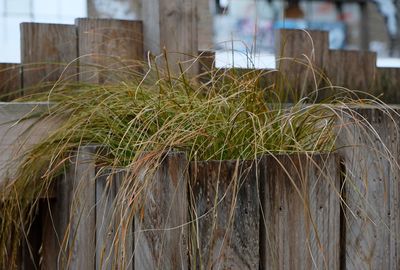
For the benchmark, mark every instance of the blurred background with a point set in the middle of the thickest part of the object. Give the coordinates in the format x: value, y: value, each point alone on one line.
x: 238, y: 29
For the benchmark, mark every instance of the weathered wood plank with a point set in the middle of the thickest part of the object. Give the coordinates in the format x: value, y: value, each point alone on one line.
x: 108, y: 49
x: 300, y: 212
x: 114, y: 249
x: 355, y: 70
x: 226, y: 207
x: 171, y: 25
x: 17, y: 134
x: 161, y: 230
x: 10, y: 81
x: 388, y: 85
x: 369, y: 142
x: 82, y: 233
x: 48, y: 52
x: 301, y: 59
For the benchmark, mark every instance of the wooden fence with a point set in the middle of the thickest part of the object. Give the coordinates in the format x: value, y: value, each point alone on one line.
x: 324, y: 211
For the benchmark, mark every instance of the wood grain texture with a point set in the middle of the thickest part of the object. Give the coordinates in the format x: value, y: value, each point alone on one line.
x: 161, y: 230
x: 301, y: 59
x: 369, y: 142
x: 114, y: 248
x: 300, y: 212
x: 47, y: 54
x: 10, y: 81
x: 171, y: 25
x: 17, y: 136
x: 82, y: 216
x: 355, y: 70
x: 388, y: 85
x: 226, y: 205
x: 108, y: 49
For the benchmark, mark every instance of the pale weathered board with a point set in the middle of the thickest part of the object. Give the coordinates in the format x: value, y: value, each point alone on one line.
x: 161, y: 229
x: 114, y: 247
x: 82, y: 213
x: 171, y: 25
x: 10, y: 81
x: 369, y: 146
x: 301, y: 57
x: 109, y: 50
x: 226, y: 208
x: 48, y: 54
x: 20, y: 129
x: 355, y: 70
x: 300, y: 212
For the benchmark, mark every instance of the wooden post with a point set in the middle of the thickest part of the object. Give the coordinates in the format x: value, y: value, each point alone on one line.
x: 388, y: 84
x: 171, y: 25
x: 226, y: 213
x: 10, y: 81
x: 354, y: 70
x: 161, y: 229
x: 301, y: 59
x: 109, y: 223
x: 108, y: 49
x: 300, y: 212
x: 82, y: 214
x: 368, y: 139
x: 48, y: 52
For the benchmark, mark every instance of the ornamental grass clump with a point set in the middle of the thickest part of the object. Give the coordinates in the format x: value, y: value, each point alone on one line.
x: 223, y: 115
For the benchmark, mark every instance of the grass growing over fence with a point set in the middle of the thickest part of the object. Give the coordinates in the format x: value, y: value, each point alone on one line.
x: 228, y: 115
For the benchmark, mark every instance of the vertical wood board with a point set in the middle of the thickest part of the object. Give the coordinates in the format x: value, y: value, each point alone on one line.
x: 114, y: 247
x: 10, y: 81
x: 369, y: 142
x: 108, y: 49
x: 161, y: 230
x: 226, y: 213
x: 48, y: 54
x: 300, y: 212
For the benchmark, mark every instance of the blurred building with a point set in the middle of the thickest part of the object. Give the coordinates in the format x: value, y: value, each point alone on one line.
x: 353, y: 24
x: 13, y: 12
x: 244, y: 25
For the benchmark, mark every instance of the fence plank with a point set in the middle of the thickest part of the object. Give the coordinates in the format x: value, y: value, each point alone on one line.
x: 10, y: 81
x: 300, y: 212
x: 160, y: 229
x: 82, y: 233
x: 47, y: 52
x: 369, y: 143
x: 108, y: 224
x: 108, y: 49
x: 388, y: 85
x: 302, y: 56
x: 225, y: 197
x: 355, y: 70
x: 171, y: 25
